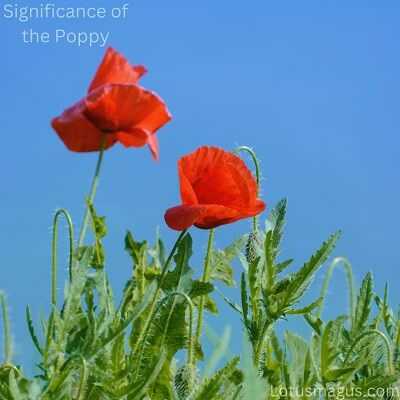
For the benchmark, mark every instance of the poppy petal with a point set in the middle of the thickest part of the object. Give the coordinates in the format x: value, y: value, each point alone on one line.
x: 133, y: 138
x: 259, y: 207
x: 126, y: 108
x: 115, y: 68
x: 152, y: 113
x: 188, y: 195
x: 214, y: 215
x: 219, y: 177
x: 191, y: 168
x: 78, y: 133
x: 182, y: 217
x: 153, y: 146
x: 113, y: 107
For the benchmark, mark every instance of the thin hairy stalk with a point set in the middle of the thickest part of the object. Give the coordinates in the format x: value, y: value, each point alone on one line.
x: 139, y: 344
x: 256, y: 162
x: 191, y: 320
x: 54, y: 267
x: 7, y: 342
x: 386, y: 342
x: 205, y: 278
x: 350, y: 283
x: 92, y: 194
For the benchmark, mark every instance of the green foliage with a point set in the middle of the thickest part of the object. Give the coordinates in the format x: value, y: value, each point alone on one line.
x: 145, y: 347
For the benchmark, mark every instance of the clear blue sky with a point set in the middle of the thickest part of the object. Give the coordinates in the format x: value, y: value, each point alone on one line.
x: 313, y: 86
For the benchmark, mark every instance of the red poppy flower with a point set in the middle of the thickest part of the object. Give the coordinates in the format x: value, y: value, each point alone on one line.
x: 115, y: 107
x: 216, y: 189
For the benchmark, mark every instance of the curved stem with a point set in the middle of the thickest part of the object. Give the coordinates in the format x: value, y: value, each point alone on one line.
x: 60, y: 212
x: 205, y: 278
x: 92, y: 194
x: 350, y: 282
x: 6, y: 330
x: 385, y: 341
x: 191, y: 312
x: 256, y: 162
x: 143, y: 334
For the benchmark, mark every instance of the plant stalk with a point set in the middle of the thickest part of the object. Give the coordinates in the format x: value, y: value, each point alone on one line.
x: 92, y: 194
x: 258, y: 175
x: 54, y: 268
x: 6, y: 330
x: 205, y: 278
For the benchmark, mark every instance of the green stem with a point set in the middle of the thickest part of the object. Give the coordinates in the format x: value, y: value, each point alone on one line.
x: 92, y: 194
x: 256, y: 162
x: 61, y: 212
x: 143, y: 334
x: 350, y: 283
x: 6, y: 330
x: 205, y: 278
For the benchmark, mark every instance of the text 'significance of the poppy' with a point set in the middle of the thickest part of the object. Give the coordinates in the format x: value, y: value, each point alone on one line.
x: 62, y: 34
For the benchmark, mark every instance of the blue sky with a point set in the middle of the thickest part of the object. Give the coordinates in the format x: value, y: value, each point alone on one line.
x: 312, y: 86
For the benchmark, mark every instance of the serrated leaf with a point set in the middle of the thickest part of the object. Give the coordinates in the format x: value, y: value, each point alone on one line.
x: 307, y: 309
x: 221, y: 262
x: 280, y: 267
x: 364, y: 304
x: 135, y: 249
x: 303, y: 278
x: 210, y: 388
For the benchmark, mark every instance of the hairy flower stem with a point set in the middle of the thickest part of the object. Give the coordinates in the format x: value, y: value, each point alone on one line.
x: 389, y: 352
x: 6, y: 330
x: 57, y: 215
x: 205, y: 278
x: 92, y: 194
x: 258, y: 175
x: 138, y: 349
x: 350, y: 283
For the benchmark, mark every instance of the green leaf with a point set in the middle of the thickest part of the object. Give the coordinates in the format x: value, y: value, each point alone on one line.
x: 303, y: 278
x: 31, y: 329
x: 330, y: 346
x: 335, y: 374
x: 244, y: 297
x: 100, y: 231
x: 307, y: 309
x: 364, y: 304
x: 276, y: 222
x: 221, y: 262
x: 212, y: 386
x: 137, y: 250
x: 280, y: 267
x: 99, y: 223
x: 315, y: 323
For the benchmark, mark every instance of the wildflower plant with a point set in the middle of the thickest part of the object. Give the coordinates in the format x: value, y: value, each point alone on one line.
x: 149, y: 345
